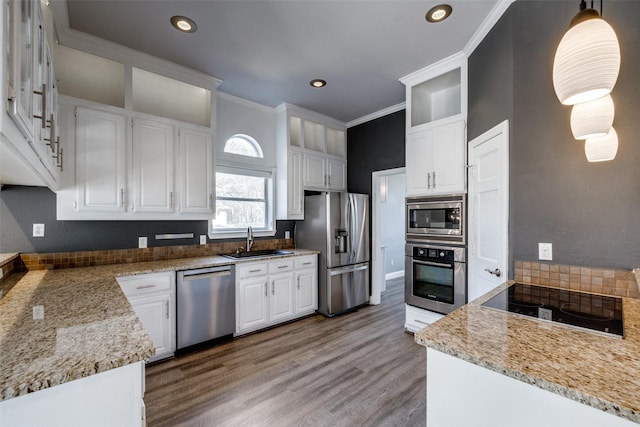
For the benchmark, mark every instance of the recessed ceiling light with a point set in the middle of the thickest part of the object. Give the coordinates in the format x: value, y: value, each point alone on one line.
x: 318, y: 83
x: 438, y: 13
x: 184, y: 24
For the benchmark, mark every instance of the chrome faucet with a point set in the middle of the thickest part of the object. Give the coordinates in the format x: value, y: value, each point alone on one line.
x: 249, y: 239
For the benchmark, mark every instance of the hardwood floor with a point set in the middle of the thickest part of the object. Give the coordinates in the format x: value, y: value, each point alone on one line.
x: 358, y: 369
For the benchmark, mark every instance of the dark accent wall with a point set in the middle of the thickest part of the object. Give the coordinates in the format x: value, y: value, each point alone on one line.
x: 21, y: 207
x: 589, y: 211
x: 374, y: 146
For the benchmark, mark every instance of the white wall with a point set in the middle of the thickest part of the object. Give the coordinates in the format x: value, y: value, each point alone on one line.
x: 237, y: 115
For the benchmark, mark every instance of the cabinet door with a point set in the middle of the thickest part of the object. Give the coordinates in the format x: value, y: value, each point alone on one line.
x: 295, y: 193
x: 100, y: 161
x: 282, y: 297
x: 336, y: 175
x: 314, y: 172
x: 418, y: 162
x: 306, y: 291
x: 252, y: 304
x: 196, y: 171
x: 22, y: 54
x: 448, y: 158
x: 153, y: 168
x: 155, y: 313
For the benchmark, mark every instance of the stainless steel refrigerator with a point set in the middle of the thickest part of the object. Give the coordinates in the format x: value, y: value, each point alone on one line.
x: 337, y: 224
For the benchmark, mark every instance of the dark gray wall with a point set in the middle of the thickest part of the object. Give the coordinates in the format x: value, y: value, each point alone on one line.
x: 589, y: 211
x: 21, y: 207
x: 374, y: 146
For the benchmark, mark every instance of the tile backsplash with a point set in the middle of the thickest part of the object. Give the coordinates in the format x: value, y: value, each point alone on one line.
x: 51, y: 261
x: 587, y: 279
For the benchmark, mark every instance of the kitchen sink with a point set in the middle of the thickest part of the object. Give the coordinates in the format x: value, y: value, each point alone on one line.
x: 257, y: 254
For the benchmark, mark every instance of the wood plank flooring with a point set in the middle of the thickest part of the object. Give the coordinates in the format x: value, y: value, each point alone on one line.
x: 358, y: 369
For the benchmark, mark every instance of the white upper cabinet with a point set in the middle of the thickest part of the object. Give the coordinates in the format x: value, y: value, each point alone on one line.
x: 436, y: 128
x: 29, y: 151
x: 321, y: 143
x: 101, y: 161
x: 153, y: 169
x: 160, y: 165
x: 196, y: 171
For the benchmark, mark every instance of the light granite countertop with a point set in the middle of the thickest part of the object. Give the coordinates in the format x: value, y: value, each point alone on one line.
x: 89, y: 326
x: 589, y: 368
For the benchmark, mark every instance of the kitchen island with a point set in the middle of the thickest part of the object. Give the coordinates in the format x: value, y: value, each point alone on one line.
x: 491, y: 368
x: 89, y: 344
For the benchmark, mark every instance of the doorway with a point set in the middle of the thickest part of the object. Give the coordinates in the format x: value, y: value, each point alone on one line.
x: 388, y: 188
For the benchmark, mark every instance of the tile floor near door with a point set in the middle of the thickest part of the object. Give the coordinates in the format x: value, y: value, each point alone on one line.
x: 359, y: 369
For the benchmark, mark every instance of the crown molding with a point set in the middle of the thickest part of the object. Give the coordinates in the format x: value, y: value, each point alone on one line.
x: 377, y: 114
x: 492, y: 18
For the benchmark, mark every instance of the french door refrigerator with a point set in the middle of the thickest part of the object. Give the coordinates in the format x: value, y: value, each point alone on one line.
x: 337, y: 225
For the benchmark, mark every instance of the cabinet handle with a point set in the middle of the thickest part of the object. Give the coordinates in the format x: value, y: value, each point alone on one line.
x: 266, y: 291
x: 429, y: 181
x: 420, y: 321
x: 43, y: 93
x: 167, y: 308
x: 273, y: 288
x: 328, y: 180
x: 307, y: 263
x: 52, y: 133
x: 283, y: 266
x: 58, y: 156
x: 122, y: 197
x: 171, y: 199
x: 298, y: 282
x: 210, y: 200
x: 255, y: 271
x: 434, y: 179
x: 145, y: 286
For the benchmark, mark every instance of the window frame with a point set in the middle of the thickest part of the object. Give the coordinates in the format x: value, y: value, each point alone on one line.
x: 270, y: 228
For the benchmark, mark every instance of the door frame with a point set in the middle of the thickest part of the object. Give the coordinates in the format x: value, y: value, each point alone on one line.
x: 500, y: 129
x: 378, y: 256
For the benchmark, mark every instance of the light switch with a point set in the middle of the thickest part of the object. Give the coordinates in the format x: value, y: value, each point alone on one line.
x: 142, y: 242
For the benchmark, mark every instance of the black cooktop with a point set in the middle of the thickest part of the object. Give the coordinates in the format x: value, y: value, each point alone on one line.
x: 599, y: 313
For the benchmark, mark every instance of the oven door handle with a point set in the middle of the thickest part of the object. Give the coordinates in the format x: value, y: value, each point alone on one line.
x: 433, y: 264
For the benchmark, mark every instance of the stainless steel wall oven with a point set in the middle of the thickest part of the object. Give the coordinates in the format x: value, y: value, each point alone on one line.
x: 435, y: 277
x: 436, y: 219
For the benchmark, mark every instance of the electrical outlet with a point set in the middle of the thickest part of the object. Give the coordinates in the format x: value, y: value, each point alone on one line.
x: 203, y: 239
x: 38, y: 230
x: 545, y: 251
x: 142, y: 242
x: 287, y: 234
x: 38, y: 312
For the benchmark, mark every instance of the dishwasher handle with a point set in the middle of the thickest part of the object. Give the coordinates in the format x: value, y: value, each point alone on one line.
x: 205, y: 273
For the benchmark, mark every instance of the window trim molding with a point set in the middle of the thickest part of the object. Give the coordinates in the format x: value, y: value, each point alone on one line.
x: 270, y: 175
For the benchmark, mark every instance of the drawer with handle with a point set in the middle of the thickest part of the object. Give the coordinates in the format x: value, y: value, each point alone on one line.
x: 252, y: 270
x: 281, y: 266
x: 306, y: 262
x: 142, y: 284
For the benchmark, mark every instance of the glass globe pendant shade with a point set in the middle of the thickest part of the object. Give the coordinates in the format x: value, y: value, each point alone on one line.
x: 592, y: 119
x: 587, y: 62
x: 603, y: 148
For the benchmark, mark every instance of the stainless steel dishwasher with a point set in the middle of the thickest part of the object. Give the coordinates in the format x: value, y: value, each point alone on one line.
x: 206, y: 304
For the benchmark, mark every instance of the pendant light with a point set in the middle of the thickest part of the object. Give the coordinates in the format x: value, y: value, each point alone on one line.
x: 603, y: 148
x: 587, y: 61
x: 592, y: 119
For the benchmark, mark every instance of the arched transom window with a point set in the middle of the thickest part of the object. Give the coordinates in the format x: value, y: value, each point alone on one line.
x: 243, y: 145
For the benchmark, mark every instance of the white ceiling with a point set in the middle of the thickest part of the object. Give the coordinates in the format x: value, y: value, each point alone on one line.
x: 267, y: 51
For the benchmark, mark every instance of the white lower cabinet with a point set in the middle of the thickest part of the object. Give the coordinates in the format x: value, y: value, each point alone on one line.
x: 153, y: 298
x: 306, y: 282
x: 275, y: 291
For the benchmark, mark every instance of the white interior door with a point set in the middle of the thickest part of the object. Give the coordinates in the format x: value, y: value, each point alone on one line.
x: 488, y: 210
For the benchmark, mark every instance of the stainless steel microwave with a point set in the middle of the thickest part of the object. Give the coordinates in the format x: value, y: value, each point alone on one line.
x: 437, y: 219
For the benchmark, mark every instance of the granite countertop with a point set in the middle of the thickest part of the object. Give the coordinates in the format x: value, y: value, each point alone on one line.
x: 89, y: 326
x: 589, y: 368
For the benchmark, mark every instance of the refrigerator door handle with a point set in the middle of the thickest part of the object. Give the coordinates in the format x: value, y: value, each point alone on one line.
x: 337, y: 271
